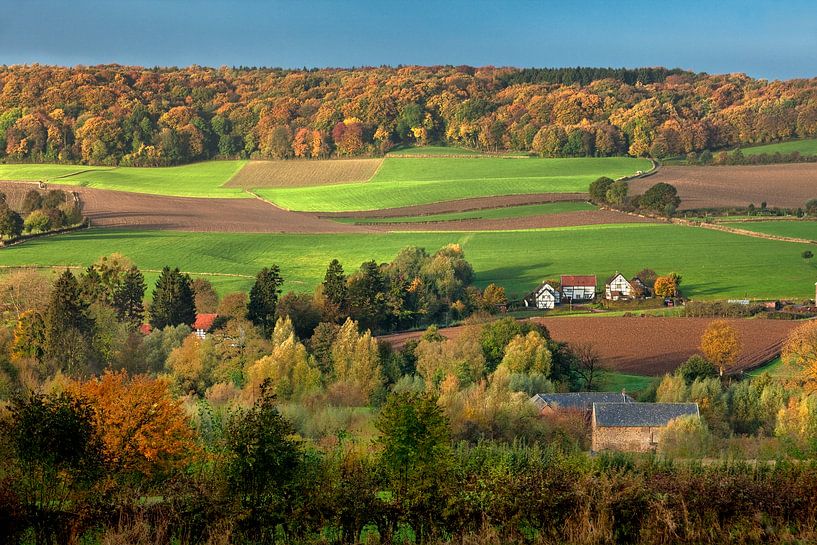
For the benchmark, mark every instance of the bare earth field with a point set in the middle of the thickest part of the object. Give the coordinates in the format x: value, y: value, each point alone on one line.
x: 461, y: 205
x: 650, y: 345
x: 108, y: 208
x: 562, y: 219
x: 301, y: 173
x: 785, y: 185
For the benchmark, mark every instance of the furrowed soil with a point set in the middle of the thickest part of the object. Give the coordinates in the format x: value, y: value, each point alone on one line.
x: 650, y: 345
x: 784, y: 185
x: 302, y: 173
x: 107, y: 208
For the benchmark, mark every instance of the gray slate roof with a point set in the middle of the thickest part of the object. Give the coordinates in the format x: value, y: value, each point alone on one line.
x: 579, y: 400
x: 640, y: 414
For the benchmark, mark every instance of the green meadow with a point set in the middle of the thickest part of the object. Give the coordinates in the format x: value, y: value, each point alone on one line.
x: 795, y: 229
x: 193, y: 180
x: 488, y: 214
x: 41, y: 173
x: 805, y: 147
x: 714, y: 265
x: 411, y: 181
x: 432, y: 150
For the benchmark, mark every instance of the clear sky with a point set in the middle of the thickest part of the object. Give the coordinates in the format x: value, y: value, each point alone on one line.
x: 769, y: 39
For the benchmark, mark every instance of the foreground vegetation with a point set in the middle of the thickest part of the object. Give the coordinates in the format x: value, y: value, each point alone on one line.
x: 411, y: 181
x: 518, y: 261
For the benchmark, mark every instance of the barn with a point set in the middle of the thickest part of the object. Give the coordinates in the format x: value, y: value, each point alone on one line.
x: 576, y: 401
x: 634, y: 427
x: 543, y: 297
x: 578, y: 288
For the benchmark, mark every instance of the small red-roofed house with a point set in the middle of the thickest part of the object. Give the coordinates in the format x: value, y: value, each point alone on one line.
x: 145, y: 329
x: 203, y: 324
x: 578, y: 288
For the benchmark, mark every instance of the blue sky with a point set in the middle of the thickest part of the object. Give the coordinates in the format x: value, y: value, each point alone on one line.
x: 770, y: 39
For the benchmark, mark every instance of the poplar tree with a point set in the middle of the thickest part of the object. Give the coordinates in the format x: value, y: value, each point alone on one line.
x: 173, y: 300
x: 264, y: 298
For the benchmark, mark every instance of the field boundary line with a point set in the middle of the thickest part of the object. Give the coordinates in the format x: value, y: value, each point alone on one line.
x: 81, y: 267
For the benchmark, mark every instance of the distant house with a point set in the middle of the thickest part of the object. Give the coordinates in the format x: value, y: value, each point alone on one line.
x: 544, y: 297
x: 634, y: 427
x: 618, y: 288
x: 576, y: 401
x: 578, y: 288
x: 203, y: 324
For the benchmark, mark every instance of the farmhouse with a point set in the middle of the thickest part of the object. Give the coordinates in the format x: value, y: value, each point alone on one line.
x: 634, y: 427
x: 576, y: 401
x: 618, y: 288
x: 578, y: 288
x: 544, y: 297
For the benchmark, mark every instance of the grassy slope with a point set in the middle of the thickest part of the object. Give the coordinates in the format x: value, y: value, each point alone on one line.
x: 410, y: 181
x: 433, y: 150
x: 797, y: 229
x: 37, y: 173
x: 492, y: 213
x: 194, y: 180
x: 713, y: 264
x: 805, y: 147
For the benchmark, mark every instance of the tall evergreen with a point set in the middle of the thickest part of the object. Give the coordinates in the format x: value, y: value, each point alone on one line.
x: 129, y: 297
x: 173, y: 300
x: 334, y: 284
x: 264, y: 298
x: 68, y: 327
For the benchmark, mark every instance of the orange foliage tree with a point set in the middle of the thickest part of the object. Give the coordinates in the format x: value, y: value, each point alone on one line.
x: 143, y: 428
x: 720, y: 344
x: 800, y: 351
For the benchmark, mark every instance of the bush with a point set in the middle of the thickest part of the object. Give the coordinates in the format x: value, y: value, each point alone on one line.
x: 37, y: 221
x: 685, y: 437
x: 697, y: 367
x: 598, y: 189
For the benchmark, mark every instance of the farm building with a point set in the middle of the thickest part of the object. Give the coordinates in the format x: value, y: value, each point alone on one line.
x: 619, y: 288
x: 578, y: 288
x: 544, y: 297
x: 203, y: 324
x: 634, y: 427
x: 576, y: 401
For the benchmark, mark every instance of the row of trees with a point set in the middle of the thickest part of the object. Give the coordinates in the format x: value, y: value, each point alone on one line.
x: 150, y: 117
x: 661, y: 198
x: 39, y: 212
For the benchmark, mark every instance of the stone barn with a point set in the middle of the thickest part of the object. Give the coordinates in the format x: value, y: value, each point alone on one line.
x: 634, y: 427
x: 576, y: 401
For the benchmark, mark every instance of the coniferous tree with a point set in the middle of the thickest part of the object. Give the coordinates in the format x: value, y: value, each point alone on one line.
x: 367, y: 297
x: 129, y: 297
x: 173, y: 300
x: 264, y: 298
x: 90, y: 285
x: 68, y: 328
x: 334, y: 284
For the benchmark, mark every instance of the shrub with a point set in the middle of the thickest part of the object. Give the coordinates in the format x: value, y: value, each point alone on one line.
x: 37, y: 221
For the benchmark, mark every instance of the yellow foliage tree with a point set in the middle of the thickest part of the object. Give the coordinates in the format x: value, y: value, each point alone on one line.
x: 720, y: 344
x: 356, y: 359
x: 800, y: 352
x: 527, y: 354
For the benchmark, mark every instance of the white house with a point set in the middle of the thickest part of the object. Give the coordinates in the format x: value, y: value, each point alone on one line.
x: 578, y: 288
x: 618, y: 288
x: 543, y: 297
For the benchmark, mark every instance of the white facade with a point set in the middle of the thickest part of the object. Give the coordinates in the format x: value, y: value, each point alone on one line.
x: 619, y: 288
x: 545, y: 297
x: 579, y: 293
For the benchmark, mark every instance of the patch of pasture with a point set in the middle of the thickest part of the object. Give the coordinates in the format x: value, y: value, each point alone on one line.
x: 804, y: 147
x: 785, y: 228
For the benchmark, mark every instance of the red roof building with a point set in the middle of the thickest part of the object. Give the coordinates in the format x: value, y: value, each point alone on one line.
x: 203, y: 324
x: 578, y: 288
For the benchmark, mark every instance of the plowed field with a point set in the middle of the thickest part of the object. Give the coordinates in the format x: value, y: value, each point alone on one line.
x: 651, y: 345
x: 302, y: 173
x: 785, y: 185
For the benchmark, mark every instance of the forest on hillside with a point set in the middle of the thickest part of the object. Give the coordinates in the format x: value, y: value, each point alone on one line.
x: 108, y: 115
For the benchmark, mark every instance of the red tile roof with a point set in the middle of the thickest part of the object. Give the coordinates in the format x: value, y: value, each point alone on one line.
x: 584, y: 281
x: 204, y: 321
x: 145, y: 329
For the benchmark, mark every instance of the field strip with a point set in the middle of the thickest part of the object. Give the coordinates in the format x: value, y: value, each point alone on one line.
x: 77, y: 173
x: 80, y: 267
x: 747, y: 233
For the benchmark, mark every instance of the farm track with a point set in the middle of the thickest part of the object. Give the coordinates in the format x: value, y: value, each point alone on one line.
x: 650, y: 345
x: 782, y: 185
x: 461, y: 205
x: 108, y: 208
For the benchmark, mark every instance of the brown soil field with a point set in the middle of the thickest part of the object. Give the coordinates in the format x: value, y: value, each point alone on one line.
x: 462, y: 205
x: 108, y: 208
x: 15, y: 192
x: 301, y: 173
x: 650, y: 345
x: 563, y: 219
x: 784, y: 185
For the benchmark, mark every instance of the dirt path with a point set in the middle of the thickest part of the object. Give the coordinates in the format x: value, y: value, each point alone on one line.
x: 650, y: 345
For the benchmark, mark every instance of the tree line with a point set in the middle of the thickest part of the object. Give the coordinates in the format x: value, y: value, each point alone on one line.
x: 153, y: 117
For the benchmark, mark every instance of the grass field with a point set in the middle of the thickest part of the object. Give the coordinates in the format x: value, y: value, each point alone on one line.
x: 433, y: 150
x: 795, y: 229
x: 195, y: 180
x: 774, y: 368
x: 491, y: 213
x: 40, y: 173
x: 612, y: 381
x: 805, y: 147
x: 300, y: 173
x: 714, y: 265
x: 408, y: 181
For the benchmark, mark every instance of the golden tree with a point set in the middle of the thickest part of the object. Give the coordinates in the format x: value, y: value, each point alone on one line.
x: 720, y: 344
x: 800, y: 351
